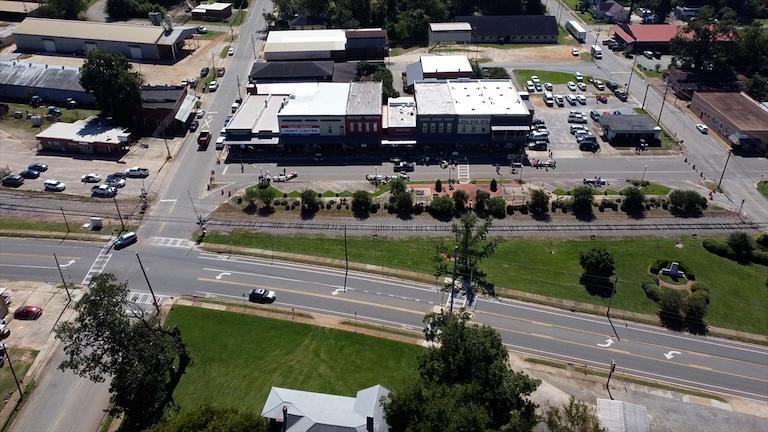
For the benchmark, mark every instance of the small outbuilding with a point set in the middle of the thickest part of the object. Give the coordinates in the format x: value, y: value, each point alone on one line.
x: 450, y: 32
x: 629, y: 129
x: 89, y: 136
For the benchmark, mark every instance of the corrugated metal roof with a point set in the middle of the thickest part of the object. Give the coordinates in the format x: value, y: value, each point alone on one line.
x: 305, y: 40
x: 40, y: 76
x: 129, y: 33
x: 450, y: 26
x: 618, y: 416
x: 445, y: 64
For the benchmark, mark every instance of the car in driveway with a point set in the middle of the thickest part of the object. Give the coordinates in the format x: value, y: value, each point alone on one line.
x: 13, y: 180
x: 125, y: 240
x: 261, y: 295
x: 114, y: 181
x: 648, y: 54
x: 137, y: 172
x: 54, y: 185
x: 571, y: 86
x: 28, y: 312
x: 103, y: 191
x: 90, y: 178
x: 702, y: 128
x: 38, y: 166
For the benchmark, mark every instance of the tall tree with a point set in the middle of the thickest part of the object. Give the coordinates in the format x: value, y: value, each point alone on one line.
x: 471, y: 247
x: 465, y: 383
x: 539, y: 204
x: 707, y: 45
x: 582, y: 200
x: 361, y: 10
x: 661, y: 10
x: 114, y: 84
x: 143, y: 360
x: 757, y: 87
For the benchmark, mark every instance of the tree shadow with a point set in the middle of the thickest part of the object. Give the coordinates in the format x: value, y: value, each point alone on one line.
x: 697, y: 327
x: 584, y: 215
x: 672, y: 320
x: 541, y: 216
x: 597, y: 285
x: 251, y: 208
x: 265, y: 211
x: 307, y: 214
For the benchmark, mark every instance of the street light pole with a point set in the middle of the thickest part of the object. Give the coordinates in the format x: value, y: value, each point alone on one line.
x: 346, y: 259
x: 608, y: 383
x: 645, y: 168
x: 647, y: 86
x: 631, y: 73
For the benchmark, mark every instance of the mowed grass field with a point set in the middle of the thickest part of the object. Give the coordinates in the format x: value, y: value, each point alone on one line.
x: 237, y: 358
x: 551, y: 268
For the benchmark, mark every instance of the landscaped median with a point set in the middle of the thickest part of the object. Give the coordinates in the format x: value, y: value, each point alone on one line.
x: 544, y: 271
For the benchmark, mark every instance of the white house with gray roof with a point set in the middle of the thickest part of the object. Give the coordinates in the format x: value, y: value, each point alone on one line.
x: 303, y: 411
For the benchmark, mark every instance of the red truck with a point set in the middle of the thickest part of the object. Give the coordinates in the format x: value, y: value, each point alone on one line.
x: 204, y: 139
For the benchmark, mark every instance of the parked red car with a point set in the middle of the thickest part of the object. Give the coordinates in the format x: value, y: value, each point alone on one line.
x: 603, y: 99
x: 28, y: 312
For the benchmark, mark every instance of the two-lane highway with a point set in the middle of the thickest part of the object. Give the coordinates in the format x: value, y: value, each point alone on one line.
x: 177, y: 268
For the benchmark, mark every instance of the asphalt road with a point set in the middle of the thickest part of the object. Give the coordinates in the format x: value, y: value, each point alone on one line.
x: 711, y: 364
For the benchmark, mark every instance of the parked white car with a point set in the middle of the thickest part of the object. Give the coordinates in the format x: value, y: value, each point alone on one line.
x: 571, y: 99
x: 575, y: 52
x: 702, y: 128
x: 535, y: 79
x: 581, y: 86
x: 559, y: 100
x: 54, y: 185
x: 582, y: 99
x: 571, y: 86
x: 90, y: 178
x: 231, y: 51
x: 579, y: 76
x: 213, y: 86
x: 548, y: 86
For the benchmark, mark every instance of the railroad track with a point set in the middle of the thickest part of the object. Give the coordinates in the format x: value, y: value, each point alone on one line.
x: 586, y: 227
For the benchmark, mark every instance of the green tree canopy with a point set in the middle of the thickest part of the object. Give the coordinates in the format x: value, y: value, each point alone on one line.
x: 143, y: 360
x: 66, y: 9
x: 310, y: 202
x: 597, y: 262
x: 465, y: 383
x: 573, y: 416
x: 539, y: 204
x: 708, y: 45
x: 687, y: 202
x: 114, y: 84
x: 634, y: 201
x: 582, y: 200
x: 208, y: 419
x: 361, y: 203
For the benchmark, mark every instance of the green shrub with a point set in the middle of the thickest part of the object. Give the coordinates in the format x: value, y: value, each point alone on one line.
x: 719, y: 248
x: 762, y: 240
x: 760, y: 257
x: 497, y: 207
x: 441, y: 207
x: 652, y: 291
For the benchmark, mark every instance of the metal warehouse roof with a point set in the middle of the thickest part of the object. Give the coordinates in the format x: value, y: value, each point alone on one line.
x: 433, y: 97
x: 329, y: 99
x: 306, y: 40
x: 40, y: 76
x: 738, y: 108
x: 129, y: 33
x: 494, y: 97
x: 450, y: 26
x: 364, y: 98
x: 445, y: 64
x: 212, y: 6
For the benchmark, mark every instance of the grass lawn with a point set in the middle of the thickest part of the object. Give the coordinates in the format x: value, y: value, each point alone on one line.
x: 237, y: 358
x: 553, y: 77
x: 649, y: 73
x: 210, y: 35
x: 224, y: 49
x: 738, y: 292
x: 762, y: 187
x: 202, y: 84
x: 565, y: 38
x: 22, y: 360
x: 67, y: 115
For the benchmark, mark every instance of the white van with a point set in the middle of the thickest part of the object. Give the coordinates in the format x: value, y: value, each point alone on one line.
x: 549, y: 99
x: 597, y: 52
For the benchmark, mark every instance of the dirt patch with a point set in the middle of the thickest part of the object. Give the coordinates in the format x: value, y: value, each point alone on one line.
x: 556, y: 53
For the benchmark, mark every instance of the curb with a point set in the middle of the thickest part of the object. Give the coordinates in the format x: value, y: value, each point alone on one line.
x: 54, y: 235
x: 501, y: 291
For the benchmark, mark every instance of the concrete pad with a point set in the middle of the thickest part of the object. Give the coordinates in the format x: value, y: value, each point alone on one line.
x: 37, y: 334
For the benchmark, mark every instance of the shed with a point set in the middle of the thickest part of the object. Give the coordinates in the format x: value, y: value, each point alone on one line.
x: 212, y: 11
x: 449, y: 32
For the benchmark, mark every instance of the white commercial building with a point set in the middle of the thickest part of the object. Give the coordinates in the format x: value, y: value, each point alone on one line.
x: 319, y: 112
x: 305, y: 45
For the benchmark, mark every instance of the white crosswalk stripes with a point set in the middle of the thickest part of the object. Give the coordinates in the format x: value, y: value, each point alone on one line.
x: 145, y: 298
x: 462, y: 172
x: 172, y: 242
x: 99, y: 264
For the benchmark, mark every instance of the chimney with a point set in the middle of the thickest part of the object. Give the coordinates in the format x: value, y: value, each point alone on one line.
x: 285, y: 418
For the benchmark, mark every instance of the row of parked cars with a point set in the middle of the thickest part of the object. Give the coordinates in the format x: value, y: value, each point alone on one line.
x: 107, y: 190
x: 538, y: 138
x: 579, y: 129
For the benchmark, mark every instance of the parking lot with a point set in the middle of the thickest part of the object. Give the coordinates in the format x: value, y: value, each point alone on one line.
x: 562, y: 143
x: 19, y: 152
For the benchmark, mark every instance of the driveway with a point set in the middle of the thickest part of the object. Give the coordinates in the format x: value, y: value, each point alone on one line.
x: 95, y: 11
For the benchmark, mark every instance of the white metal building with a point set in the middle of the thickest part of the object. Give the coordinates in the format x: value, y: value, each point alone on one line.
x: 319, y: 112
x: 450, y: 32
x: 305, y: 45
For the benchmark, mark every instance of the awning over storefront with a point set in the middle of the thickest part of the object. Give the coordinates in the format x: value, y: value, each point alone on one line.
x: 501, y: 128
x: 186, y: 108
x: 398, y: 142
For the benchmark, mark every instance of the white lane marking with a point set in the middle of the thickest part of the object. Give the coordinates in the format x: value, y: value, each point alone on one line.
x: 692, y: 384
x: 507, y: 303
x: 67, y: 264
x: 608, y: 342
x: 139, y: 297
x: 671, y: 354
x: 168, y: 200
x: 172, y: 242
x: 27, y: 266
x: 337, y: 291
x: 222, y: 274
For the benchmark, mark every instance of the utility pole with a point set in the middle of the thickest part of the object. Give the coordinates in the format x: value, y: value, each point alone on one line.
x: 663, y: 100
x: 253, y: 45
x: 610, y: 302
x: 608, y: 383
x: 346, y: 259
x: 13, y: 372
x: 239, y: 94
x: 453, y: 277
x: 724, y: 168
x: 154, y: 299
x: 199, y: 218
x: 62, y: 277
x: 631, y: 73
x: 647, y: 86
x: 65, y: 218
x: 645, y: 168
x: 122, y: 225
